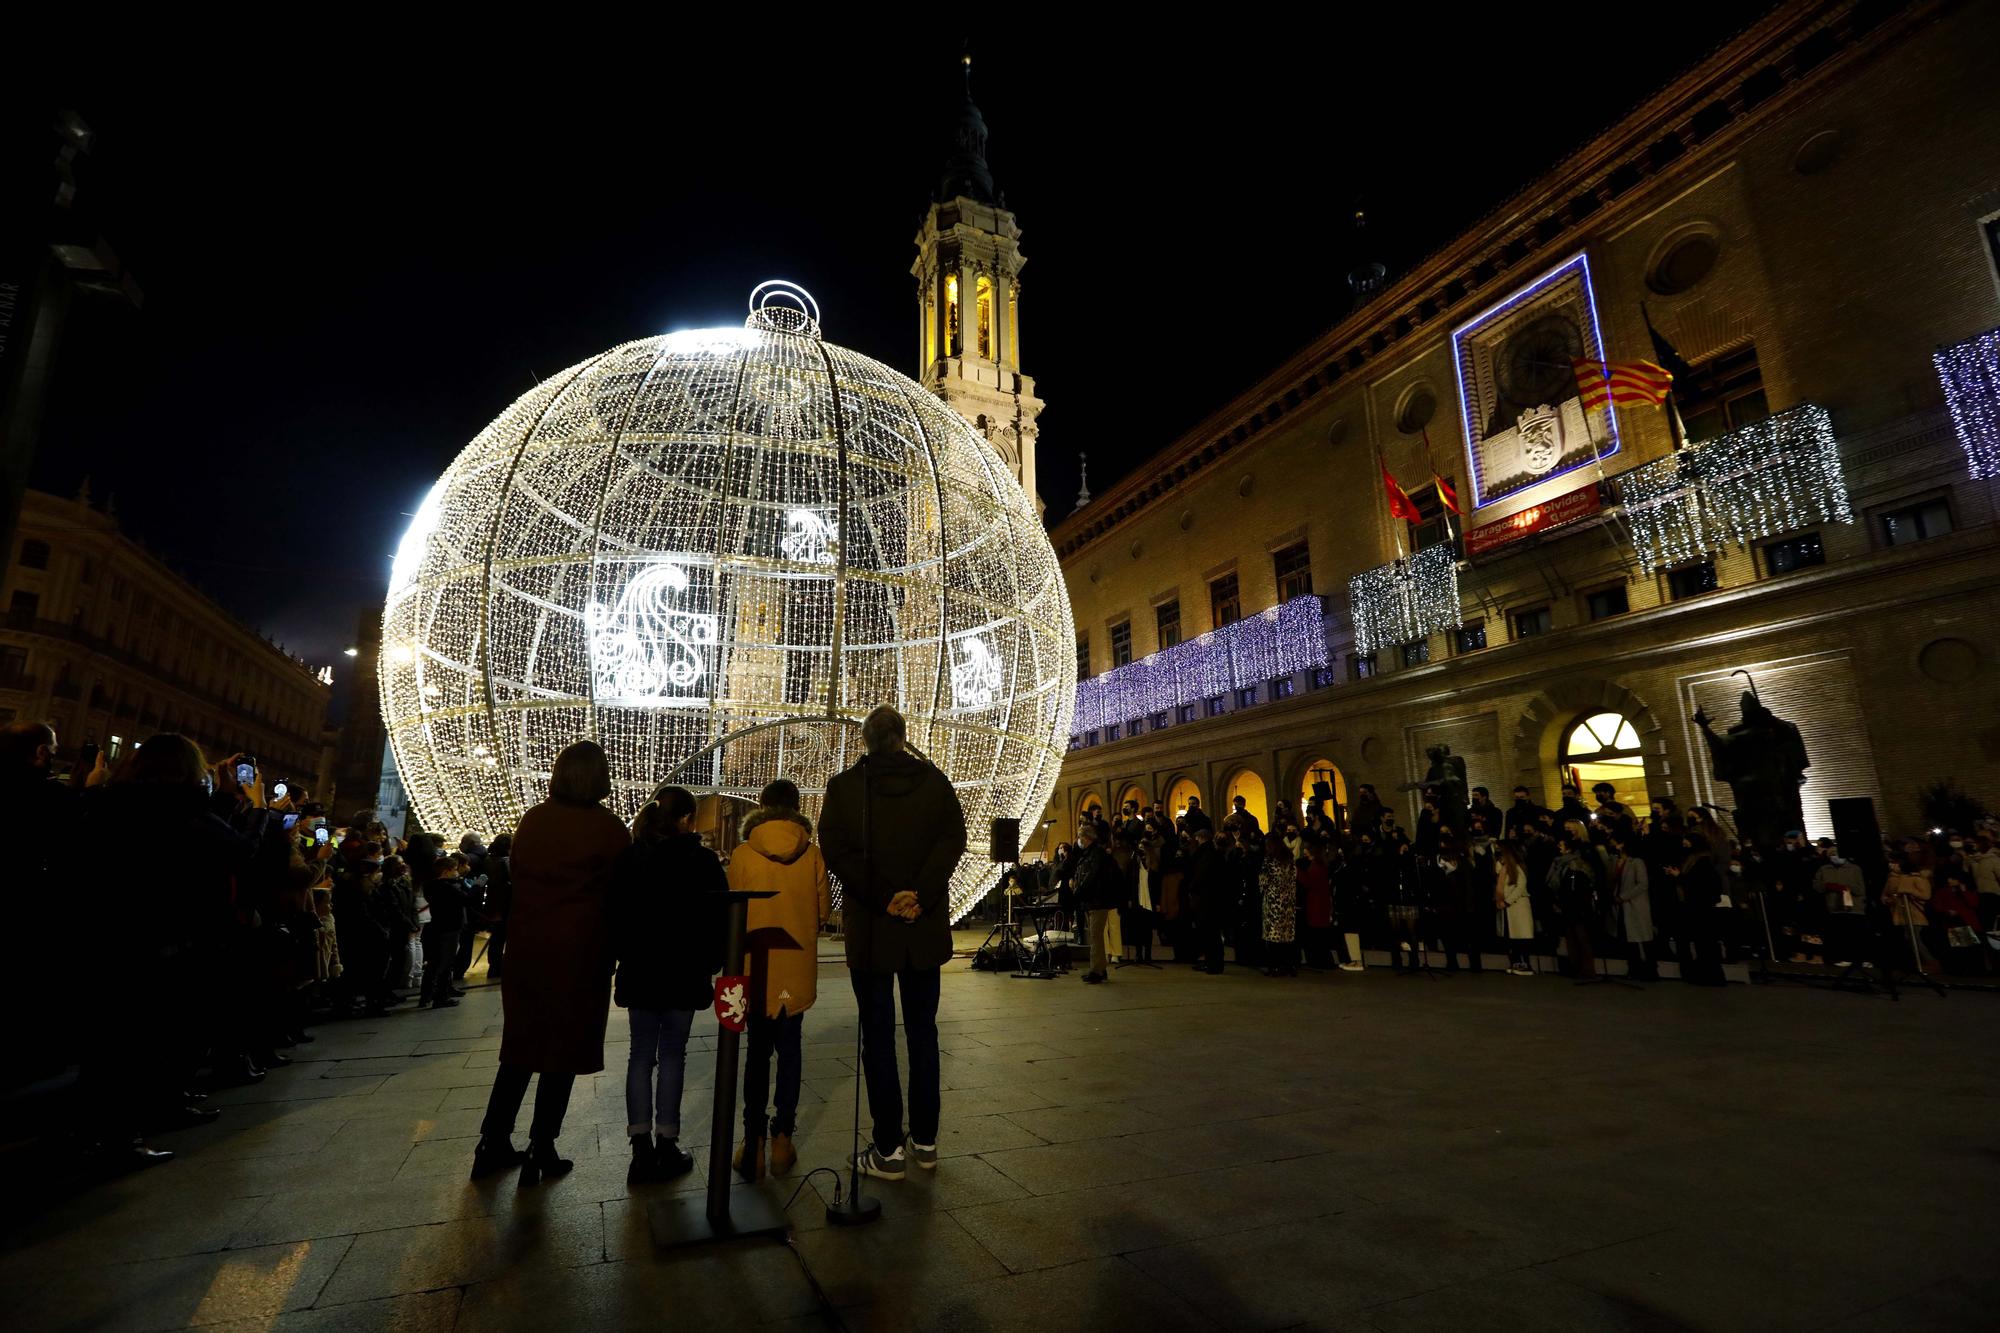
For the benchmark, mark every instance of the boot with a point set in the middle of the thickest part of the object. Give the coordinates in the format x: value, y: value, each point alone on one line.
x: 494, y: 1155
x: 784, y: 1156
x: 750, y: 1158
x: 645, y: 1162
x: 671, y: 1160
x: 542, y: 1161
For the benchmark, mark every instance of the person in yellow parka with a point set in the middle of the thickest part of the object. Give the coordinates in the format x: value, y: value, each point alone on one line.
x: 777, y: 852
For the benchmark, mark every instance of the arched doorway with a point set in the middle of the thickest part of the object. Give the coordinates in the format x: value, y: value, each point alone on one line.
x: 1605, y: 747
x: 1318, y: 771
x: 1135, y: 796
x: 1178, y: 792
x: 1247, y: 783
x: 1090, y: 807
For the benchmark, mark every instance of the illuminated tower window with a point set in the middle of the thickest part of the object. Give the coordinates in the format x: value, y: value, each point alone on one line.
x: 952, y: 346
x: 985, y: 299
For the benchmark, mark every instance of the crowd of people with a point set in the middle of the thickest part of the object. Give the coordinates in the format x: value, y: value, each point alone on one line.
x: 233, y: 905
x: 1570, y: 885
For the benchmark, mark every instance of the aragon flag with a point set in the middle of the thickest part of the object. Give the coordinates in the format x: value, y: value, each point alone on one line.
x: 1400, y: 505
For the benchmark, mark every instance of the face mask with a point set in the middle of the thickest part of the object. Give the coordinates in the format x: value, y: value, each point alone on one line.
x: 1836, y: 860
x: 1735, y: 867
x: 1955, y: 844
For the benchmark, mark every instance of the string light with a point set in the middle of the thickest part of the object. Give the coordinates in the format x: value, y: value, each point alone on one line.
x: 1405, y: 600
x: 713, y: 552
x: 1970, y: 373
x: 1770, y: 477
x: 1275, y: 642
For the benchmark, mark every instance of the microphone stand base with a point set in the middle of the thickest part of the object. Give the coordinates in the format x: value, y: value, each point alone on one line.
x: 854, y: 1211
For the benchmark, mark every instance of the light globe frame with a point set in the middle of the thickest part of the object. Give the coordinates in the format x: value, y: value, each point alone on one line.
x: 714, y: 552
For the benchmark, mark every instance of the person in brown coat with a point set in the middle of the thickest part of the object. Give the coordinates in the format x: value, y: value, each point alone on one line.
x: 777, y: 852
x: 556, y: 996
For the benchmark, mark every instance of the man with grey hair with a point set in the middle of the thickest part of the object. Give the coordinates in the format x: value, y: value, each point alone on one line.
x: 892, y: 831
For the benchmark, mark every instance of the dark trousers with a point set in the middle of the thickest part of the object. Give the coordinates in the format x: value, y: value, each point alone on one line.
x: 769, y: 1035
x: 510, y: 1085
x: 875, y: 994
x: 1320, y: 942
x: 440, y: 947
x: 461, y: 958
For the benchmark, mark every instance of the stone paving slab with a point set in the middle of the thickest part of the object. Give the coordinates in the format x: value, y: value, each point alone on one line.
x: 1169, y: 1151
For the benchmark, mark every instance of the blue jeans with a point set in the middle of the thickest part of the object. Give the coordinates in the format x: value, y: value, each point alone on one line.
x: 780, y: 1034
x: 659, y: 1048
x: 875, y: 994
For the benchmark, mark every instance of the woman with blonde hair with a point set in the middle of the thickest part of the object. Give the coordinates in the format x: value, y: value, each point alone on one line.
x: 1511, y: 899
x: 556, y: 997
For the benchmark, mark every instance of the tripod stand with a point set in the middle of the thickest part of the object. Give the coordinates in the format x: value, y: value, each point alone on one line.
x: 1916, y: 961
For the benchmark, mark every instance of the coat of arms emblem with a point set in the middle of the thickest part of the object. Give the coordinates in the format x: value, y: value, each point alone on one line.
x: 1541, y: 438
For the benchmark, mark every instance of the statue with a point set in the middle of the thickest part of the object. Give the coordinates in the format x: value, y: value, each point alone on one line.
x: 1763, y: 759
x: 1447, y: 777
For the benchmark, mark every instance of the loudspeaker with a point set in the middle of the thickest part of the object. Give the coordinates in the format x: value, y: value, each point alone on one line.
x: 1855, y: 831
x: 1322, y: 791
x: 1006, y: 841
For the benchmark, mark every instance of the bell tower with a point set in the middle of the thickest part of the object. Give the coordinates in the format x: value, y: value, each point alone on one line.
x: 969, y: 301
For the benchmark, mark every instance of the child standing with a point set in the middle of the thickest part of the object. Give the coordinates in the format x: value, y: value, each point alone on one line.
x: 777, y: 852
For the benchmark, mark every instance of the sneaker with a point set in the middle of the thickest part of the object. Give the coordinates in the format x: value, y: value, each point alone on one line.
x: 924, y: 1155
x: 1352, y: 967
x: 871, y: 1162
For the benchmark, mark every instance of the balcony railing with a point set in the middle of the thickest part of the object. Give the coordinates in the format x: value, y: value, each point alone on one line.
x: 1256, y: 650
x: 1773, y: 476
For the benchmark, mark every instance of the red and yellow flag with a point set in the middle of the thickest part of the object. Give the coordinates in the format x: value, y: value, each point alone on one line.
x: 1400, y: 504
x: 1626, y: 383
x: 1446, y: 495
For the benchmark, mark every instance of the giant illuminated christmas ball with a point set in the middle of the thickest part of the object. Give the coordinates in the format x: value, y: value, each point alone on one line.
x: 713, y: 552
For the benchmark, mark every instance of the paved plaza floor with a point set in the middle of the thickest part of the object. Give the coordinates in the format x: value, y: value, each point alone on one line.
x: 1169, y: 1151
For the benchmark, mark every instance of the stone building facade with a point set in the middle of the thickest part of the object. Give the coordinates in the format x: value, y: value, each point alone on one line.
x: 110, y: 646
x: 1801, y: 220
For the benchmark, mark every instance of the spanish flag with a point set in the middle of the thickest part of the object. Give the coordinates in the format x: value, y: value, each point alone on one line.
x: 1446, y: 495
x: 1626, y: 383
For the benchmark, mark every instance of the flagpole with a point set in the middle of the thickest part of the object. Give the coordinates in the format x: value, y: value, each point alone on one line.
x: 1597, y: 458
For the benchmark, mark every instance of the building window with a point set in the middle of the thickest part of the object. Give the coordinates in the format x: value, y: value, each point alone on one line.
x: 1090, y: 738
x: 25, y: 605
x: 1184, y: 713
x: 1282, y: 687
x: 1160, y: 720
x: 13, y: 667
x: 1293, y: 566
x: 1605, y: 747
x: 1322, y: 677
x: 1167, y: 620
x: 34, y: 555
x: 1360, y: 666
x: 1535, y: 620
x: 1691, y: 580
x: 89, y: 569
x: 1470, y: 638
x: 1416, y: 652
x: 1213, y: 705
x: 1721, y: 394
x: 1433, y: 526
x: 1800, y: 552
x: 1899, y: 527
x: 1111, y: 731
x: 1607, y: 602
x: 1246, y: 697
x: 1224, y: 607
x: 1083, y: 657
x: 1121, y: 643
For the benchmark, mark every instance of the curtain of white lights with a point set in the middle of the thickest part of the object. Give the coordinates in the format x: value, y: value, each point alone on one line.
x: 714, y: 552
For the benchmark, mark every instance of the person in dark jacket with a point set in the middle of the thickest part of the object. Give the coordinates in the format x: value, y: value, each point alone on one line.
x: 499, y: 901
x: 37, y: 817
x: 1520, y: 817
x: 557, y: 995
x: 667, y: 928
x: 1097, y: 885
x: 1209, y: 896
x: 892, y: 832
x: 445, y: 892
x: 173, y: 942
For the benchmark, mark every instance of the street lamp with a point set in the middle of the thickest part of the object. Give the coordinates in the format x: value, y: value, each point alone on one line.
x: 351, y: 652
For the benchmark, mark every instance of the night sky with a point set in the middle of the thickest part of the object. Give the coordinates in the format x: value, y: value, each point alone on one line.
x: 353, y: 266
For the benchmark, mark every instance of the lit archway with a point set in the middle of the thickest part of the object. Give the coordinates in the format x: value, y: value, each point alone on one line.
x: 1247, y: 783
x: 1136, y: 795
x: 1178, y: 792
x: 1318, y: 771
x: 1605, y: 747
x: 1090, y: 807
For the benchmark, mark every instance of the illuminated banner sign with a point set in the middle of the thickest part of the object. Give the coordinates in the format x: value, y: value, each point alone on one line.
x: 1565, y: 508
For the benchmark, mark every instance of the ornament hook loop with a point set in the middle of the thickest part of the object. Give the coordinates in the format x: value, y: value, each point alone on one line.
x: 778, y: 306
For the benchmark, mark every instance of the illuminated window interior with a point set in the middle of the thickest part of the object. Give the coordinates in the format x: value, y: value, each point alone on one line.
x: 1604, y: 747
x: 1250, y: 787
x: 951, y: 343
